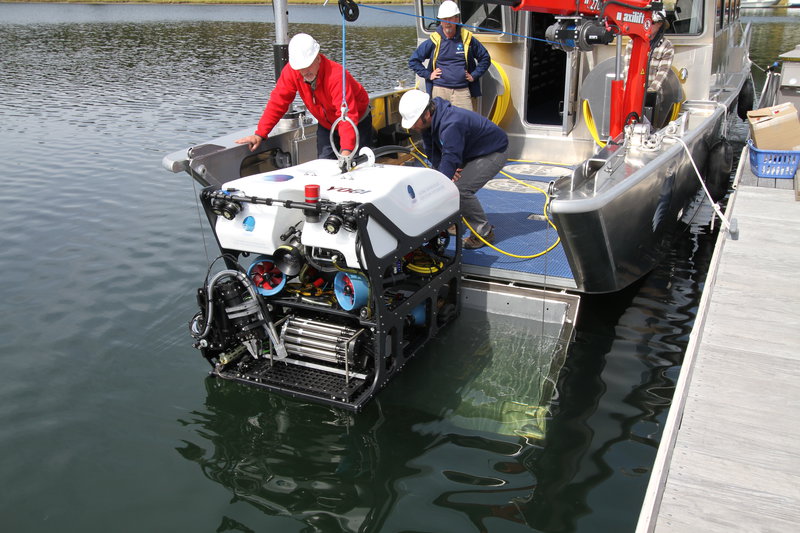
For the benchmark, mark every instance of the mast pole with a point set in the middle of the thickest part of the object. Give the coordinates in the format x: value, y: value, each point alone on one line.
x: 280, y: 49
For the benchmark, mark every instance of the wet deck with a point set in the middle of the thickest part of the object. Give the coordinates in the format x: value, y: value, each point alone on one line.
x: 516, y: 209
x: 729, y: 458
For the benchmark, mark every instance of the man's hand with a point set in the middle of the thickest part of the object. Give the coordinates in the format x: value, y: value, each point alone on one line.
x: 469, y: 77
x: 436, y: 74
x: 253, y: 140
x: 457, y: 175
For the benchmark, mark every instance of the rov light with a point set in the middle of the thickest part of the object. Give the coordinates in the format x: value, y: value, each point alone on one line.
x: 333, y: 223
x: 349, y: 216
x: 225, y: 208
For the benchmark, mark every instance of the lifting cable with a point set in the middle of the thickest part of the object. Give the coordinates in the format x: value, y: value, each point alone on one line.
x: 349, y: 11
x: 482, y: 29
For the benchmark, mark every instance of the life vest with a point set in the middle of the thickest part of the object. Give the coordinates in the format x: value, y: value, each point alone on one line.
x: 436, y: 37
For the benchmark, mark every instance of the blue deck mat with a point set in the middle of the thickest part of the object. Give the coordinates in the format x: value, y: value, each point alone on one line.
x: 516, y: 212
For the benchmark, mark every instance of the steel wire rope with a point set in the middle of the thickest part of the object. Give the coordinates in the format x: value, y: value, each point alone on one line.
x: 488, y: 30
x: 344, y: 63
x: 349, y: 11
x: 547, y: 197
x: 501, y: 106
x: 200, y: 219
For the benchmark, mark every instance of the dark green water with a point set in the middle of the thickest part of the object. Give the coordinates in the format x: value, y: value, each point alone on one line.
x: 107, y: 419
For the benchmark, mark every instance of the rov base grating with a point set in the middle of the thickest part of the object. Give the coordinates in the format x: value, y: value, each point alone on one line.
x: 290, y: 377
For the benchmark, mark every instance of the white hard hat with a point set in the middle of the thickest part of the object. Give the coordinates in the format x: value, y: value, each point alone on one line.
x: 448, y: 9
x: 412, y: 105
x: 303, y: 49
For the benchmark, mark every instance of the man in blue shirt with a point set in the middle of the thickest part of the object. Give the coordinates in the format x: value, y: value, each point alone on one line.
x: 456, y: 60
x: 464, y: 146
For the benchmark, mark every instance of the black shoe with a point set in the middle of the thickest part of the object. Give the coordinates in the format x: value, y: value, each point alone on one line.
x: 473, y: 242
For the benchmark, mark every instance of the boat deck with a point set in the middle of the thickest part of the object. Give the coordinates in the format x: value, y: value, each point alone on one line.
x: 516, y: 210
x: 728, y: 457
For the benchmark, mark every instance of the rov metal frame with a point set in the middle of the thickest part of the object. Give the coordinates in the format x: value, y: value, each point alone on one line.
x: 388, y: 337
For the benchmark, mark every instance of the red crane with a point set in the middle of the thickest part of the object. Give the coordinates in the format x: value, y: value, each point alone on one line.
x: 585, y: 23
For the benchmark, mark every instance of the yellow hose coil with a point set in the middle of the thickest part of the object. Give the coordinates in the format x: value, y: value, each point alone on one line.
x: 501, y: 104
x: 544, y: 211
x: 587, y: 116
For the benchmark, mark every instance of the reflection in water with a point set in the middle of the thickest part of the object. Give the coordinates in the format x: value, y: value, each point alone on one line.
x: 595, y: 464
x: 286, y: 458
x: 512, y: 367
x: 457, y: 431
x: 104, y: 250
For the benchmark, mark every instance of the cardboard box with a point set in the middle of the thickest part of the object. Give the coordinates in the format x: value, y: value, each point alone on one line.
x: 775, y: 128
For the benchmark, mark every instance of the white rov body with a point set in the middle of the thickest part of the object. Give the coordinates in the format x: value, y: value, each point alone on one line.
x: 414, y: 199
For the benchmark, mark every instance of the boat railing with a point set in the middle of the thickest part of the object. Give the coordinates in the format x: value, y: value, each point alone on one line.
x: 744, y: 42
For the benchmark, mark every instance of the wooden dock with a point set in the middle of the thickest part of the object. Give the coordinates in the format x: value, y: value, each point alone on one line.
x: 729, y: 458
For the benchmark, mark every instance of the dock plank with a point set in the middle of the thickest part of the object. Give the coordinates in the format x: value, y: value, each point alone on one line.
x: 734, y: 464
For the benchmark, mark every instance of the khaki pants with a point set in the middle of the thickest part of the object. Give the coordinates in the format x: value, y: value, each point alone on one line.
x: 457, y: 97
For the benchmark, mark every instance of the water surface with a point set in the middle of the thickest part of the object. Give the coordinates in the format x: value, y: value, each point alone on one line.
x: 108, y: 420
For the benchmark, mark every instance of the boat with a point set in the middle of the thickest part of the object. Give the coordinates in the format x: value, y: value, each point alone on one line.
x: 603, y: 177
x: 782, y: 86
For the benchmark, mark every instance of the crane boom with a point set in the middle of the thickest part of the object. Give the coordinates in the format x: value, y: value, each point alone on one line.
x: 586, y: 23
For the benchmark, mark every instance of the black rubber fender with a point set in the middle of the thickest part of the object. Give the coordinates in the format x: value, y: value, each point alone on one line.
x: 718, y: 170
x: 746, y: 98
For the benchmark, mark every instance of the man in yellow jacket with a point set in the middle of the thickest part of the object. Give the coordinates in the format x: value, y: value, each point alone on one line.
x: 456, y: 60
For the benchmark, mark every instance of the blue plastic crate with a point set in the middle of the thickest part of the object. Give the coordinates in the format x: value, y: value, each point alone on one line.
x: 773, y: 163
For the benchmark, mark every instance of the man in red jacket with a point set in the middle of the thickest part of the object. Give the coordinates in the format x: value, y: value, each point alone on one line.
x: 319, y: 82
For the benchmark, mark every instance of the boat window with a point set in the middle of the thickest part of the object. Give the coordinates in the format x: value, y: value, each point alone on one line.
x: 685, y: 16
x: 428, y: 13
x: 477, y: 16
x: 484, y: 17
